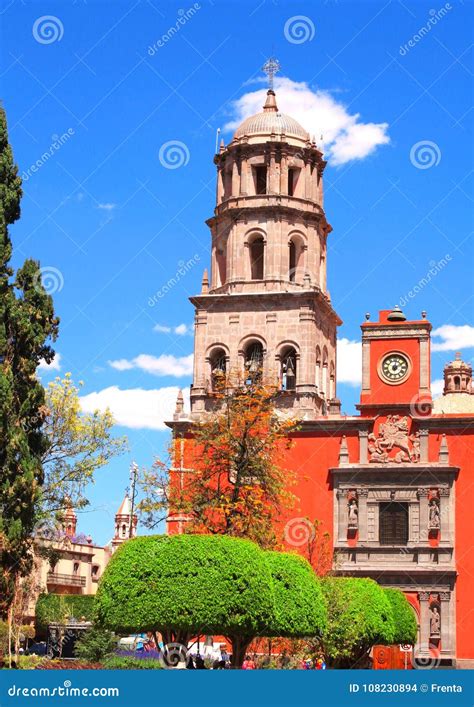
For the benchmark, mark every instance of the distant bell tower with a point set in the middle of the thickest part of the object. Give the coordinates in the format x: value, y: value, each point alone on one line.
x: 124, y: 529
x: 266, y: 306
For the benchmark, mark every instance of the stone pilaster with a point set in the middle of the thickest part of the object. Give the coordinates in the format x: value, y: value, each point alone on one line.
x: 424, y: 598
x: 446, y: 635
x: 424, y: 434
x: 445, y: 513
x: 362, y: 494
x: 363, y: 447
x: 365, y: 366
x: 424, y: 514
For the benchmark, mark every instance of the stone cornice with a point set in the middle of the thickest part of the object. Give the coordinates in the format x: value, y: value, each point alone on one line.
x: 389, y: 331
x: 266, y: 205
x: 211, y: 300
x: 443, y: 422
x: 396, y: 470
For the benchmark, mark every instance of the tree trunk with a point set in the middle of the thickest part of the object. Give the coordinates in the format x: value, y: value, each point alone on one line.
x: 10, y: 634
x: 240, y: 645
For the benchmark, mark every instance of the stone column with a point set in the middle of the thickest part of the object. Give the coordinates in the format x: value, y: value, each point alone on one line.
x: 283, y: 173
x: 445, y: 517
x: 365, y: 366
x: 244, y: 175
x: 220, y: 185
x: 314, y: 183
x: 307, y: 180
x: 341, y: 496
x: 363, y: 447
x: 424, y: 433
x: 362, y: 494
x: 424, y: 598
x: 446, y: 638
x: 273, y: 177
x: 425, y: 365
x: 424, y: 514
x: 235, y: 178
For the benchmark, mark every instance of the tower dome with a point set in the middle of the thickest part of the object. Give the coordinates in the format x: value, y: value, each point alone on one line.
x: 270, y: 122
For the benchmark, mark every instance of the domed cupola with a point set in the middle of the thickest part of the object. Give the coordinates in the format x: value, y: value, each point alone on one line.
x: 270, y: 124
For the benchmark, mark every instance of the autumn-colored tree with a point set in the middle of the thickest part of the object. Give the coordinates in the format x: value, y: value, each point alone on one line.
x: 237, y: 485
x: 318, y: 548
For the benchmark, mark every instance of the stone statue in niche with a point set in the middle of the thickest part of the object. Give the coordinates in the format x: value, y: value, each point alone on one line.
x: 435, y: 623
x: 434, y: 519
x: 353, y: 514
x: 394, y: 432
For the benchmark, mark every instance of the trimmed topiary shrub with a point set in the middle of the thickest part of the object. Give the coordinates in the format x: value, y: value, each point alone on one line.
x: 359, y: 616
x: 52, y: 608
x: 300, y: 608
x: 403, y: 616
x: 184, y: 585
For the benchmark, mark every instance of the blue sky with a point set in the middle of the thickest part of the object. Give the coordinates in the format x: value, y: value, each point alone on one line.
x: 103, y: 87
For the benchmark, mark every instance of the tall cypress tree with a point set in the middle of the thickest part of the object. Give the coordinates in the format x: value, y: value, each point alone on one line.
x: 27, y: 324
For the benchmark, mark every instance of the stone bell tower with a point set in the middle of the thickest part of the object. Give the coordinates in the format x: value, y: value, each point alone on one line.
x: 266, y: 307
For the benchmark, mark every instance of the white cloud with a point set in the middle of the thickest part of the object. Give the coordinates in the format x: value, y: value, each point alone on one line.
x: 453, y: 337
x: 345, y: 136
x: 437, y: 387
x: 108, y: 206
x: 349, y: 362
x: 136, y: 408
x: 164, y: 365
x: 180, y: 329
x: 55, y: 364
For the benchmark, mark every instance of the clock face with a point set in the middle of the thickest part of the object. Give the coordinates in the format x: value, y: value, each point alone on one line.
x: 394, y: 368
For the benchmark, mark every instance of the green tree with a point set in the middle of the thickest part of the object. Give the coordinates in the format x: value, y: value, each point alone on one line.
x: 57, y: 608
x: 78, y: 444
x: 95, y: 645
x: 406, y: 627
x: 238, y: 486
x: 359, y: 616
x: 188, y: 585
x: 27, y: 324
x: 300, y: 607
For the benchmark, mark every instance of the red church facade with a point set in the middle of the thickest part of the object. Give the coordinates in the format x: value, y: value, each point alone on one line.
x: 391, y: 484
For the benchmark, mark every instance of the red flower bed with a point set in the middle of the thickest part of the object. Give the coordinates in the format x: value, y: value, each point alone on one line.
x: 68, y: 665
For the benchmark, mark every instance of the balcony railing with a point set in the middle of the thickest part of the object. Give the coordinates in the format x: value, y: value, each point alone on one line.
x: 71, y: 580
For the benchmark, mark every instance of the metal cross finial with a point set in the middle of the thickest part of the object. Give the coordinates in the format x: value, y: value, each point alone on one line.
x: 270, y: 68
